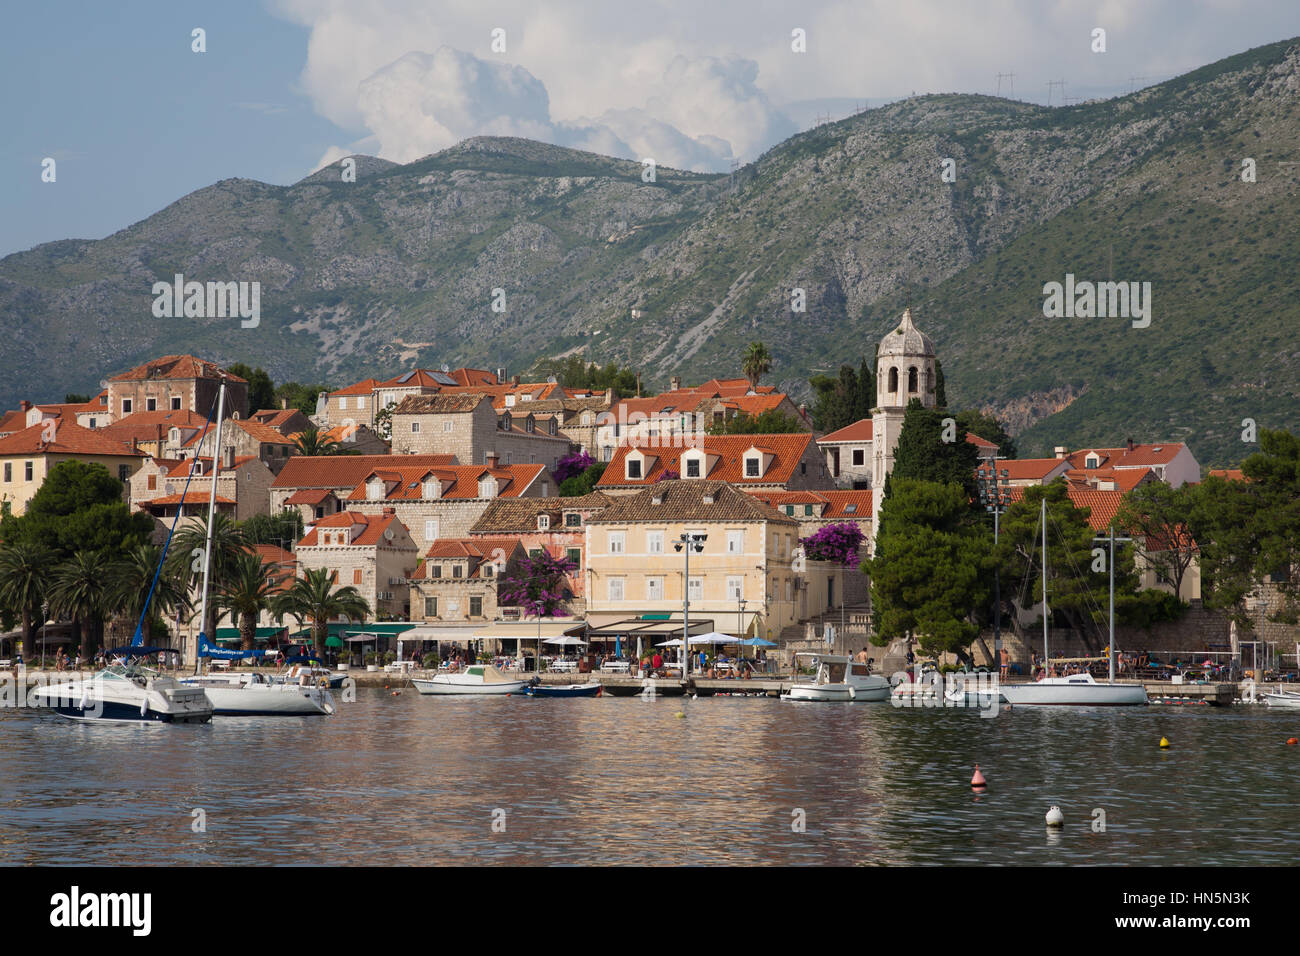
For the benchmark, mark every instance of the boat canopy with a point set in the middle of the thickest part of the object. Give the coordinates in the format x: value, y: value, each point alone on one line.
x: 139, y: 650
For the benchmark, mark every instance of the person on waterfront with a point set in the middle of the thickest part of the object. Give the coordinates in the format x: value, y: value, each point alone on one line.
x: 657, y: 662
x: 58, y: 660
x: 1004, y: 660
x: 861, y: 656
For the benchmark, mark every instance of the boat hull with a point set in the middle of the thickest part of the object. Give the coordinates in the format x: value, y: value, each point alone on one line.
x: 435, y: 687
x: 1285, y: 701
x: 1042, y: 694
x: 869, y: 692
x: 564, y: 690
x: 278, y: 700
x: 93, y: 701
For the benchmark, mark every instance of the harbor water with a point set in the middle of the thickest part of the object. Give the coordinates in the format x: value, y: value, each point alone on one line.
x: 508, y: 780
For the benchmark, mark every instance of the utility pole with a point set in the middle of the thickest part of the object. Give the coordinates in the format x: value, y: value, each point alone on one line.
x: 995, y: 495
x: 1011, y: 84
x: 1052, y: 83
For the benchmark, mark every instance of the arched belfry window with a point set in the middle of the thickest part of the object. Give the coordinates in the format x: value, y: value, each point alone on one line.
x: 893, y: 379
x: 911, y: 379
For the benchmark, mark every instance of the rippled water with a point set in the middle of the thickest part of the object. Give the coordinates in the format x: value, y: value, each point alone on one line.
x: 412, y: 780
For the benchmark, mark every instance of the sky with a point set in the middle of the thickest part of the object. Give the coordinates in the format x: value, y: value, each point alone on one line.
x: 134, y: 118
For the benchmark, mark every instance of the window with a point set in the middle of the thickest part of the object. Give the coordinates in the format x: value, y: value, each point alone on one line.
x: 575, y: 557
x: 546, y: 489
x: 357, y: 576
x: 534, y: 552
x: 126, y: 406
x: 431, y: 607
x: 435, y: 571
x: 859, y: 457
x: 789, y: 510
x: 807, y: 510
x: 692, y: 468
x: 654, y: 542
x: 735, y: 542
x: 654, y: 589
x: 27, y: 471
x: 448, y: 425
x: 1092, y: 462
x: 415, y: 428
x: 9, y: 471
x: 911, y: 379
x: 361, y: 401
x: 616, y: 540
x: 476, y: 607
x: 552, y: 426
x: 176, y: 403
x: 735, y: 588
x: 543, y: 522
x: 457, y: 571
x: 751, y: 467
x: 431, y: 529
x: 893, y: 379
x: 695, y: 590
x: 320, y: 511
x: 573, y: 520
x: 92, y: 423
x: 487, y: 488
x: 487, y: 570
x: 343, y: 401
x: 789, y: 589
x: 151, y: 484
x: 123, y: 472
x: 151, y: 404
x: 510, y: 458
x: 634, y: 468
x: 615, y: 587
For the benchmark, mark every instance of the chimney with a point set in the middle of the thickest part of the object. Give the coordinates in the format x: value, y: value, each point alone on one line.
x: 803, y: 409
x: 1130, y: 444
x: 493, y: 460
x: 284, y: 404
x: 1059, y: 451
x: 657, y: 498
x: 228, y: 457
x: 501, y: 376
x: 24, y: 406
x: 389, y: 511
x: 674, y: 383
x: 609, y: 397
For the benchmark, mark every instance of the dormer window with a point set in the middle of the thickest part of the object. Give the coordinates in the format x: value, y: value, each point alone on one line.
x: 506, y: 419
x: 432, y: 488
x: 552, y: 427
x: 573, y: 520
x: 487, y: 487
x: 510, y: 402
x: 634, y: 468
x: 1092, y: 461
x: 375, y: 489
x: 543, y: 522
x: 174, y: 436
x: 753, y: 466
x: 692, y: 467
x: 528, y: 424
x: 586, y: 418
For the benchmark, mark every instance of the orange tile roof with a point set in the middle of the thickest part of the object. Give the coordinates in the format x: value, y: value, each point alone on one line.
x: 69, y: 439
x: 344, y: 471
x: 363, y: 387
x: 308, y: 496
x: 1030, y: 469
x: 13, y: 422
x: 835, y: 504
x: 182, y: 468
x: 263, y: 433
x: 1141, y: 456
x: 787, y: 451
x: 152, y: 426
x: 407, y: 484
x: 859, y: 431
x: 1229, y: 474
x: 373, y: 525
x: 188, y: 498
x: 176, y: 366
x: 981, y: 442
x: 1103, y: 505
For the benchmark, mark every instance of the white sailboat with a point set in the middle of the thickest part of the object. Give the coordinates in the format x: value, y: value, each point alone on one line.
x: 1075, y: 690
x: 244, y: 695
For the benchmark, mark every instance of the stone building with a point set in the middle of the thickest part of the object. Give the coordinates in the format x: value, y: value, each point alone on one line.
x: 372, y: 552
x: 458, y: 578
x: 27, y: 456
x: 175, y: 383
x: 750, y: 462
x: 243, y: 487
x: 315, y: 484
x: 467, y: 426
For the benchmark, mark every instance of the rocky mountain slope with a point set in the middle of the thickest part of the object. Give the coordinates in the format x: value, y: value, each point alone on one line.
x: 401, y: 267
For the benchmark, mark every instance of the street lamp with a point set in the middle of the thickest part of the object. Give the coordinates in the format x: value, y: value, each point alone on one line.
x: 687, y: 542
x: 995, y: 496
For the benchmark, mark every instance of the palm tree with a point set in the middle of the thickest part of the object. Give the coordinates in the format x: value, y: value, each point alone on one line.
x: 132, y: 578
x: 314, y: 598
x: 24, y: 577
x: 312, y: 441
x: 80, y: 589
x: 756, y: 362
x: 186, y: 557
x: 250, y: 591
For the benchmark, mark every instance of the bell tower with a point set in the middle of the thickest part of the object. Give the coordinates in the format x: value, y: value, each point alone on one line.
x: 904, y: 370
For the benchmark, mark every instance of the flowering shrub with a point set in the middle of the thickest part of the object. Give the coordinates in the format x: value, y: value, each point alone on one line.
x: 667, y: 475
x: 571, y: 465
x: 834, y: 542
x: 536, y: 584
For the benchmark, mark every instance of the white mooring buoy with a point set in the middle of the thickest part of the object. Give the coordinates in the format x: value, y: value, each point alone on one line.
x: 1055, y: 818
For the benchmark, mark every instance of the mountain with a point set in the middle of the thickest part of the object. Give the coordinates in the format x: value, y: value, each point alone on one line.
x: 399, y: 268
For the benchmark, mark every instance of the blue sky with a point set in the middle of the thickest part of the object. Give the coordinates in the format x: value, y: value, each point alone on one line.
x: 135, y: 119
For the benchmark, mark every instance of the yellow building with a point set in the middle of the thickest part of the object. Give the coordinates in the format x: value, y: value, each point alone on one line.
x: 750, y: 554
x: 26, y: 457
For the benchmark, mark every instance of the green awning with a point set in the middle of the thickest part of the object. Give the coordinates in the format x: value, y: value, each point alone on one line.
x: 334, y: 642
x: 261, y: 635
x: 655, y: 617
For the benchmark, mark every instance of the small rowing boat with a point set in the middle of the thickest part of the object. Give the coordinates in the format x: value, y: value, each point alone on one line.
x: 564, y: 690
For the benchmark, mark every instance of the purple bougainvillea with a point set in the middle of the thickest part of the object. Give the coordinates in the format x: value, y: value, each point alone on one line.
x: 834, y: 542
x: 667, y: 475
x: 571, y: 465
x: 536, y: 584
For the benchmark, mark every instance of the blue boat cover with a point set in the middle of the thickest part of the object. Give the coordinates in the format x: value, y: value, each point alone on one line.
x: 208, y: 649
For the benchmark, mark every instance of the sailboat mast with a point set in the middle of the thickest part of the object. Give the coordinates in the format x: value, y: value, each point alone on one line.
x: 1043, y: 519
x: 212, y: 511
x: 1112, y: 605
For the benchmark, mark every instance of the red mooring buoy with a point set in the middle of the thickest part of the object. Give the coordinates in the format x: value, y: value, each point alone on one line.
x: 978, y: 780
x: 1291, y: 741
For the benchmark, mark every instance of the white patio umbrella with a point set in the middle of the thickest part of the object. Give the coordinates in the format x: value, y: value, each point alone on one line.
x: 566, y: 640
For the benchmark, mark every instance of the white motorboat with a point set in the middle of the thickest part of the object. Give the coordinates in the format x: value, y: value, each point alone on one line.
x: 257, y: 695
x: 127, y: 693
x: 475, y: 679
x: 839, y: 679
x: 1074, y: 690
x: 1283, y: 698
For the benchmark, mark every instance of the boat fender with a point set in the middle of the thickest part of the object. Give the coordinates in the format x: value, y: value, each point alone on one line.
x: 323, y: 683
x: 144, y: 706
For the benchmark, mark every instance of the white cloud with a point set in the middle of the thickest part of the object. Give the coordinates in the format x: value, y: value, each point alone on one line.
x: 692, y: 82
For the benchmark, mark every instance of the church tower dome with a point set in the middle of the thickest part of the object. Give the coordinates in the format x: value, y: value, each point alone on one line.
x: 905, y: 367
